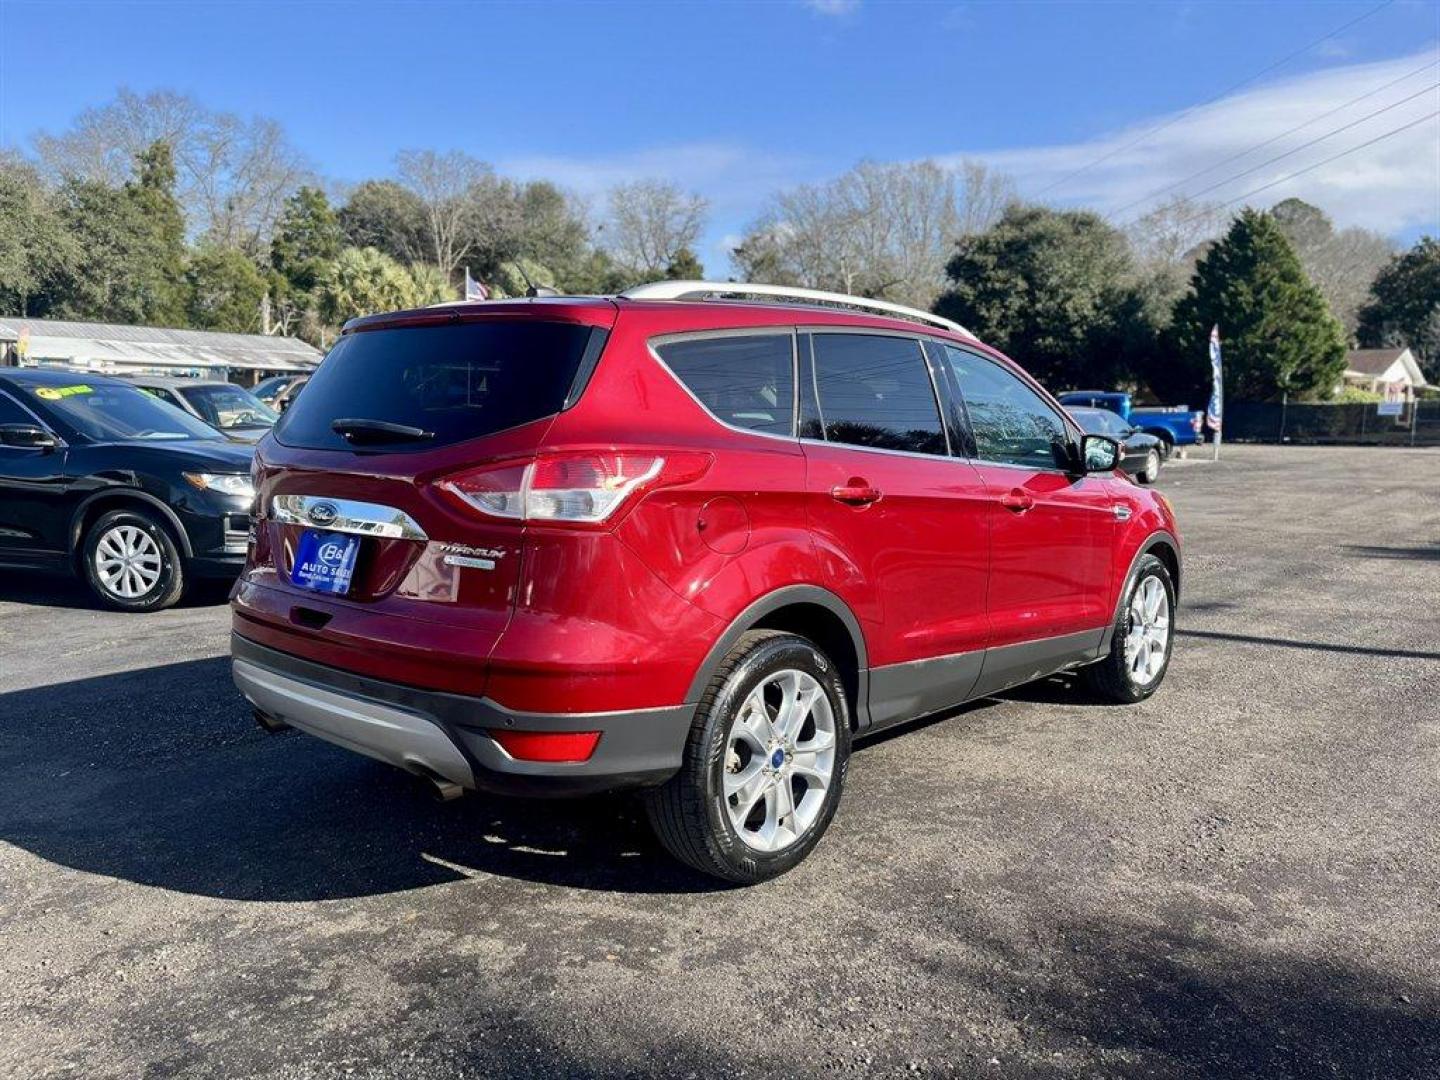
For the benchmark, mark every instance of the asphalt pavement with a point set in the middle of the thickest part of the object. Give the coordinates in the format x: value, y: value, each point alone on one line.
x: 1238, y: 877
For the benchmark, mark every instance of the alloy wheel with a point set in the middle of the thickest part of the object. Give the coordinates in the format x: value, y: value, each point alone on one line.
x: 1149, y: 634
x: 779, y: 760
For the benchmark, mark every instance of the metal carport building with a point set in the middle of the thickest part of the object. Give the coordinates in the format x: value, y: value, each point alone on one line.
x: 119, y: 349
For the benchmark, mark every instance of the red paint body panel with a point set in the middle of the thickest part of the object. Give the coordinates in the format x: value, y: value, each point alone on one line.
x: 622, y: 615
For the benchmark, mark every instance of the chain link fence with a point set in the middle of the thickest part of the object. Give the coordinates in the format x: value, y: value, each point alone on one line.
x: 1418, y: 424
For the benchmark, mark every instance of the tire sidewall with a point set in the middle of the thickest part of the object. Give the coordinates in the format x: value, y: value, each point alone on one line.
x: 1152, y: 466
x: 768, y: 658
x: 1150, y: 566
x: 171, y: 582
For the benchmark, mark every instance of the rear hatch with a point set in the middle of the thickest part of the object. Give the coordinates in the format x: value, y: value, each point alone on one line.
x: 362, y: 560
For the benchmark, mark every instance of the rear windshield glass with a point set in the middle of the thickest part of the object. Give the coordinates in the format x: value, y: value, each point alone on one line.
x: 454, y: 382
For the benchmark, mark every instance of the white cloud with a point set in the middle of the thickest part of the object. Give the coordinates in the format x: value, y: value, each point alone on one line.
x: 833, y: 8
x: 1392, y: 186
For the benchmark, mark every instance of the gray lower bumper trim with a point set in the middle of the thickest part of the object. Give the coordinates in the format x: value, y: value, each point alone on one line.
x: 449, y: 734
x: 380, y: 731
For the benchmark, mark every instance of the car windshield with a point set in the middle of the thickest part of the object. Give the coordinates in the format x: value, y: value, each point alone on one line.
x: 271, y: 386
x: 104, y: 411
x: 227, y: 406
x: 1100, y: 422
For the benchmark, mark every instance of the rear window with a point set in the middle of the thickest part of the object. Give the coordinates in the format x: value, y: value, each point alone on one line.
x: 457, y: 381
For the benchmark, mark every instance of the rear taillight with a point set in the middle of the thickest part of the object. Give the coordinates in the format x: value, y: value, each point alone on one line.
x: 1196, y: 420
x: 582, y: 488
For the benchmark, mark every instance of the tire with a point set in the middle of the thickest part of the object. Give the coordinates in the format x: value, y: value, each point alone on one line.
x: 694, y: 813
x: 1151, y: 472
x: 131, y: 562
x: 1121, y: 677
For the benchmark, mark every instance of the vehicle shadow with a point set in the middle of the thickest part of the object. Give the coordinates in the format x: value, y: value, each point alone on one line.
x: 160, y: 777
x: 59, y: 590
x: 1428, y: 552
x: 1185, y: 997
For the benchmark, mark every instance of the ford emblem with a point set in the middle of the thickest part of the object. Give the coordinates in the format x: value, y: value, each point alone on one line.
x: 324, y: 513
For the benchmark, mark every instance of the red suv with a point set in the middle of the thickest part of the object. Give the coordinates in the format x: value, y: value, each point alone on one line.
x: 690, y: 539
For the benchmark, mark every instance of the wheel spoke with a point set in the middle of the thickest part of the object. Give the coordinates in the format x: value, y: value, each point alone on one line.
x: 807, y: 766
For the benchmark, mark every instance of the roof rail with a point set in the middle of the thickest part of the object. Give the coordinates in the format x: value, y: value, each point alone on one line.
x: 681, y: 290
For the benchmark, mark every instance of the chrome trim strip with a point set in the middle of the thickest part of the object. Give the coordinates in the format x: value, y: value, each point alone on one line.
x: 882, y: 450
x: 361, y: 518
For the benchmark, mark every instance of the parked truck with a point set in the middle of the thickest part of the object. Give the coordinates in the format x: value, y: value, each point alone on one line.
x: 1173, y: 425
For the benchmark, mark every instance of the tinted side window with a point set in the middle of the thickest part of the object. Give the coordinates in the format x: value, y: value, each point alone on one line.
x: 747, y: 380
x: 11, y: 413
x: 1011, y: 423
x: 875, y: 391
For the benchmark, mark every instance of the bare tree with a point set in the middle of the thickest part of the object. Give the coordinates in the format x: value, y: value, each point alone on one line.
x: 1167, y: 242
x: 881, y: 230
x: 984, y: 195
x: 651, y: 222
x: 452, y: 188
x: 233, y: 174
x: 1341, y: 262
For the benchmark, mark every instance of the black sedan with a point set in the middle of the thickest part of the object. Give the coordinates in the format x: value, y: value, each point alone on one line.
x: 1143, y: 453
x: 100, y: 479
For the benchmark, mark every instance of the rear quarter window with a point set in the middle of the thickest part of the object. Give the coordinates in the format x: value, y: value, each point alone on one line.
x: 746, y: 380
x: 458, y: 381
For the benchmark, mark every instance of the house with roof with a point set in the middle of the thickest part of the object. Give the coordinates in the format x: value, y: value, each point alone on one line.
x: 1392, y: 373
x: 112, y: 349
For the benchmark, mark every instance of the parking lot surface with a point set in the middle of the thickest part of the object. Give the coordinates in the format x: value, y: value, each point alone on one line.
x: 1238, y: 876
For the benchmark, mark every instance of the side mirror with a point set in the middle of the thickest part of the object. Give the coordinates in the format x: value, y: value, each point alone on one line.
x: 1099, y: 454
x: 27, y: 436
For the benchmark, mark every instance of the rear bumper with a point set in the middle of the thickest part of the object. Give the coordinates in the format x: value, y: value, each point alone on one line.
x: 444, y: 734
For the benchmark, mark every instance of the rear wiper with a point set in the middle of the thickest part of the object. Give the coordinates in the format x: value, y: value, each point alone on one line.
x: 374, y: 431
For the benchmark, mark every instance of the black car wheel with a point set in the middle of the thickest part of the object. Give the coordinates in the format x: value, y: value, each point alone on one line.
x: 131, y: 561
x: 764, y: 764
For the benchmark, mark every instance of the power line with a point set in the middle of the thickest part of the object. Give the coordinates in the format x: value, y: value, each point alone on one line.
x: 1270, y: 141
x: 1224, y: 93
x: 1311, y: 168
x: 1312, y: 142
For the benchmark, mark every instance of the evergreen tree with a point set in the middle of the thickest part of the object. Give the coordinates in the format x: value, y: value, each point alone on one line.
x: 159, y: 224
x: 1404, y: 305
x: 1278, y: 333
x: 685, y: 267
x: 225, y: 290
x: 307, y: 237
x: 36, y: 248
x: 1054, y: 289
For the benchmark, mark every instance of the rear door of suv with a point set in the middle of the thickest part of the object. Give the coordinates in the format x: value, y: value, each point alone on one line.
x: 366, y: 555
x: 901, y: 522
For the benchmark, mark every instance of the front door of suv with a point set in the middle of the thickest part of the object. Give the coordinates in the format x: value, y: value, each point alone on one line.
x: 34, y: 494
x: 1052, y: 528
x: 901, y: 525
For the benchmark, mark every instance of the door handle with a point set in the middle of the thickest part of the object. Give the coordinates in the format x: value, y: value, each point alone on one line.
x: 1017, y: 500
x: 856, y: 492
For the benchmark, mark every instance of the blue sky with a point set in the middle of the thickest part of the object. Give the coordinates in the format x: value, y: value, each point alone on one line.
x: 739, y: 99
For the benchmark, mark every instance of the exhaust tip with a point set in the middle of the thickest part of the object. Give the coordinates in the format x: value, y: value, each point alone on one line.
x: 270, y: 723
x: 444, y: 790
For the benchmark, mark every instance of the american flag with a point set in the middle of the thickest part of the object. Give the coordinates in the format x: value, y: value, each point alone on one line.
x: 473, y: 289
x: 1216, y: 408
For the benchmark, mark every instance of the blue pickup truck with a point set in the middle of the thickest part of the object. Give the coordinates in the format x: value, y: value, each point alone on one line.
x: 1173, y: 425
